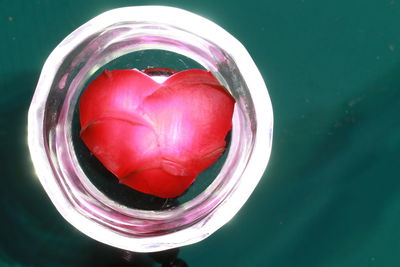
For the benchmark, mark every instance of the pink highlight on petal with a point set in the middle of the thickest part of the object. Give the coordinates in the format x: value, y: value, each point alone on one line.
x: 188, y: 122
x: 114, y: 92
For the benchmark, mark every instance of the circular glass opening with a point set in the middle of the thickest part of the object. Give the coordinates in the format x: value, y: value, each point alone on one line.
x: 64, y: 167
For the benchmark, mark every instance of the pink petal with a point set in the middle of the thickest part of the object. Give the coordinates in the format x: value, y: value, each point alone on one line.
x: 122, y: 146
x: 158, y: 182
x: 191, y: 121
x: 192, y: 76
x: 115, y: 92
x: 155, y: 137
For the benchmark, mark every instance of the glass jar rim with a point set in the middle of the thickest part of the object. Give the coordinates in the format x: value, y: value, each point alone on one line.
x: 225, y: 208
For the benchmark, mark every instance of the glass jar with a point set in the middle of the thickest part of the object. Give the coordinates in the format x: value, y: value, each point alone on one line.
x: 107, y: 37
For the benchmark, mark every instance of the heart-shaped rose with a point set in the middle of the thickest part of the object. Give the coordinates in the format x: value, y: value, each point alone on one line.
x: 156, y: 137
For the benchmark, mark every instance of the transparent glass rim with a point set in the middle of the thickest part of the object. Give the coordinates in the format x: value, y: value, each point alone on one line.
x: 226, y: 207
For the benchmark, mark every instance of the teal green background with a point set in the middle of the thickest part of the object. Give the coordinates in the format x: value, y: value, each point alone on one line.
x: 331, y: 193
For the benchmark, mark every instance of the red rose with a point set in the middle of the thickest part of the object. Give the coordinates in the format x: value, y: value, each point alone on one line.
x: 156, y: 137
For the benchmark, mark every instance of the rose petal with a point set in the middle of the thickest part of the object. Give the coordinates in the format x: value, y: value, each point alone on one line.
x: 158, y: 182
x: 122, y: 146
x: 191, y: 121
x: 192, y: 76
x: 114, y: 92
x: 156, y: 137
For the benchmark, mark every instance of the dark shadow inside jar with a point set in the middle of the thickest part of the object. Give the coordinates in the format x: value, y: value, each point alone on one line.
x: 104, y: 180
